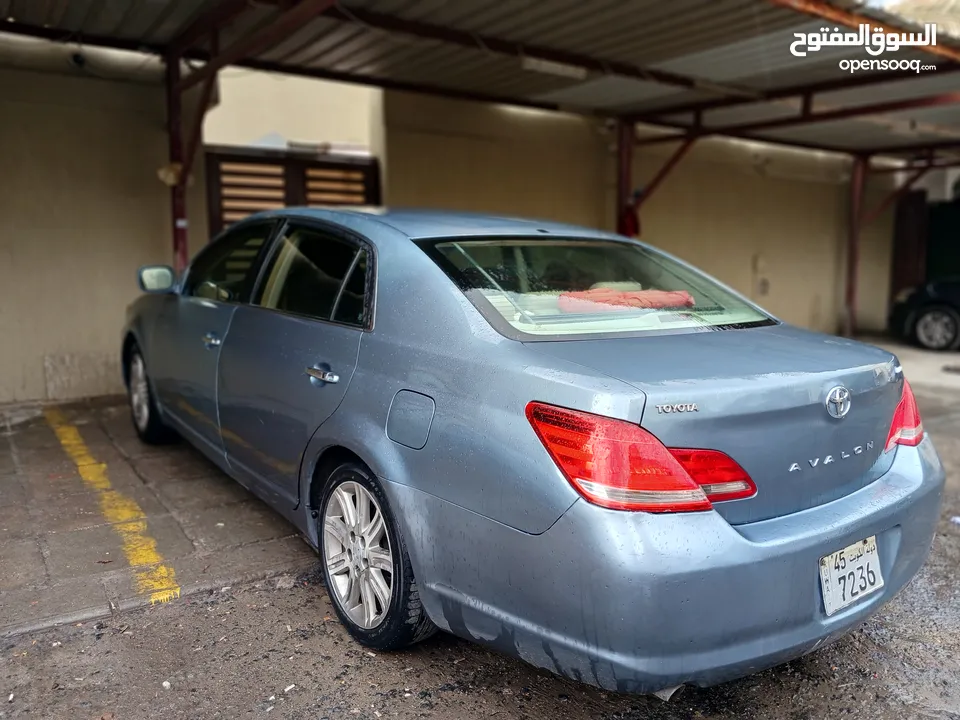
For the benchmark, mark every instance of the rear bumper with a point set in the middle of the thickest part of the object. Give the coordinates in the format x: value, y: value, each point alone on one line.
x: 636, y: 602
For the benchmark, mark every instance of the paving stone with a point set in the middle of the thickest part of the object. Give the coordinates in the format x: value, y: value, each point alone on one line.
x: 86, y: 552
x: 203, y: 493
x: 222, y: 567
x: 15, y: 524
x: 46, y: 605
x: 67, y: 512
x: 42, y: 487
x: 174, y: 466
x: 21, y: 563
x: 218, y: 528
x: 12, y: 492
x: 8, y: 465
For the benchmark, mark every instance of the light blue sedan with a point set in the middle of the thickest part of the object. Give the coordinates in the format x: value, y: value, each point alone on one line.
x: 561, y: 443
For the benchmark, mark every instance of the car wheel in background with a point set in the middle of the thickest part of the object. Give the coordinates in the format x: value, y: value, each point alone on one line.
x: 937, y: 328
x: 365, y: 564
x: 143, y: 409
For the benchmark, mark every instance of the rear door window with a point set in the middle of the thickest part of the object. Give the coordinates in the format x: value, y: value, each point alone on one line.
x: 317, y: 275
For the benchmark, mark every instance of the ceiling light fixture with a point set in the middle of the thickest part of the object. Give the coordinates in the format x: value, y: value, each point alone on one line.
x: 550, y: 67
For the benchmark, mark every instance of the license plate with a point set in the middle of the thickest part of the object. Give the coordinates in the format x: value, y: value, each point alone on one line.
x: 850, y: 574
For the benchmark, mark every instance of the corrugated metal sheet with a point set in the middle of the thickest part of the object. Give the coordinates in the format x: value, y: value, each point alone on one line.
x: 855, y: 135
x: 742, y: 45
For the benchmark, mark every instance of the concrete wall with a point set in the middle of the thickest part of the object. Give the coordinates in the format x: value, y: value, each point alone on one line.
x: 744, y: 212
x: 81, y: 208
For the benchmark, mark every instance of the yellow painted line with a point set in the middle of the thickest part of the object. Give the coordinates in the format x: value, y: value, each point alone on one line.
x: 153, y: 577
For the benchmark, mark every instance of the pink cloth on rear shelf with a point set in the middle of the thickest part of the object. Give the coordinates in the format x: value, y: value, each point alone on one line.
x: 605, y: 300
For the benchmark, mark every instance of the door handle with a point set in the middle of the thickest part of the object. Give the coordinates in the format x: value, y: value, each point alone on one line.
x: 323, y: 375
x: 211, y: 341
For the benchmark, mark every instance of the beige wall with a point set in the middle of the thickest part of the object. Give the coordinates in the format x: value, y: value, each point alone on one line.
x: 748, y: 212
x: 82, y: 208
x: 488, y: 158
x: 254, y: 104
x: 82, y: 205
x: 741, y: 211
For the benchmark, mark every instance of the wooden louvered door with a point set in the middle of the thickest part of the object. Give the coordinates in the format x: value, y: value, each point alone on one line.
x: 241, y: 182
x: 335, y: 186
x: 246, y: 188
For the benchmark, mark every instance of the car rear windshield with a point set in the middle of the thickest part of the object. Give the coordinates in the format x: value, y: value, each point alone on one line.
x: 542, y: 287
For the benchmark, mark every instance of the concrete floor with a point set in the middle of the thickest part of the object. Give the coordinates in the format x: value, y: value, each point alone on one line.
x: 78, y: 524
x: 229, y: 612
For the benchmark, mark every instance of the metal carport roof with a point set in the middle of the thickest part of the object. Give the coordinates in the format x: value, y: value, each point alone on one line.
x: 726, y: 62
x: 695, y: 68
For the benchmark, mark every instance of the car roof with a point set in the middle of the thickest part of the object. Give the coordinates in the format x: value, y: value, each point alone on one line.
x: 424, y: 224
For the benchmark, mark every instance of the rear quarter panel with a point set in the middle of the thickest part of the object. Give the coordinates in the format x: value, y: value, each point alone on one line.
x: 481, y: 453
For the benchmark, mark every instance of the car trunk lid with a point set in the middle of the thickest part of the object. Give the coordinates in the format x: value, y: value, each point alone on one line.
x: 760, y: 396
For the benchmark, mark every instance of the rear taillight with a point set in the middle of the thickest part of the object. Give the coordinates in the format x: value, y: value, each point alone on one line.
x: 907, y: 427
x: 621, y: 466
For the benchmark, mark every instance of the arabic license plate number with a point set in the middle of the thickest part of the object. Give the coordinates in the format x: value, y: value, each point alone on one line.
x: 850, y: 574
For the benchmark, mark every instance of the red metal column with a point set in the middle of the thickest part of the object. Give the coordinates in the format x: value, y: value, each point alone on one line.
x: 626, y: 138
x: 858, y: 174
x: 668, y: 166
x: 895, y: 195
x: 178, y: 192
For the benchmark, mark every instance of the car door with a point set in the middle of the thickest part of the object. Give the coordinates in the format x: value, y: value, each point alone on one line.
x: 289, y: 356
x: 191, y: 330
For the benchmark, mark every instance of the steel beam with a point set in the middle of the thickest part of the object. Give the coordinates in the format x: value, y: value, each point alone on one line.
x: 846, y: 113
x: 857, y: 177
x: 662, y: 139
x: 259, y: 40
x: 178, y: 192
x: 196, y: 129
x: 687, y: 131
x: 405, y: 86
x: 213, y: 20
x: 59, y: 36
x: 898, y: 193
x: 626, y: 138
x: 667, y: 167
x: 794, y: 91
x: 914, y: 166
x: 916, y: 147
x: 833, y: 14
x: 369, y: 19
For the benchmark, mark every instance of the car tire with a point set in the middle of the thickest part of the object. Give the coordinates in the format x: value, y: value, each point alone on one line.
x: 143, y: 407
x: 937, y: 327
x: 380, y: 607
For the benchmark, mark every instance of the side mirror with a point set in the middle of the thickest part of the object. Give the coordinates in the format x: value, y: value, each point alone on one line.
x: 155, y: 278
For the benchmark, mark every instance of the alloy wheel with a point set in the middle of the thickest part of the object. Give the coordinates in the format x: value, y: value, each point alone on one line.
x: 358, y: 555
x: 139, y: 393
x: 936, y: 329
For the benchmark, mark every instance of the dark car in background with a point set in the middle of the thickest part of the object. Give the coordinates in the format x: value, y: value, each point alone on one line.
x: 928, y: 315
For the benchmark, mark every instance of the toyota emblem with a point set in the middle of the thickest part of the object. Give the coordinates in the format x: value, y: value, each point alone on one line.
x: 838, y: 402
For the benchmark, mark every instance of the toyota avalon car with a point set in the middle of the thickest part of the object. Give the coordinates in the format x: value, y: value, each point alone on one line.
x: 561, y: 443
